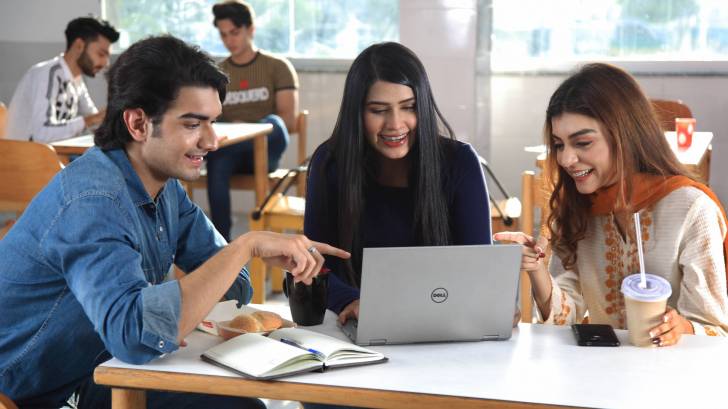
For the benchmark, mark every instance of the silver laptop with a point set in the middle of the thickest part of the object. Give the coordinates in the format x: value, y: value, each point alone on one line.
x: 435, y: 294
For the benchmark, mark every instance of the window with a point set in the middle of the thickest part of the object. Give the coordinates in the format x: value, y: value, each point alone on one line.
x: 626, y: 30
x: 297, y: 28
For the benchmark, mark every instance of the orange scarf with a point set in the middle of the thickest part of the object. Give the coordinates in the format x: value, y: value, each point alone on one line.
x: 649, y: 189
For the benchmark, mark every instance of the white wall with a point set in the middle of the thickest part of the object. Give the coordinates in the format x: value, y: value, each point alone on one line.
x: 443, y: 35
x: 41, y: 21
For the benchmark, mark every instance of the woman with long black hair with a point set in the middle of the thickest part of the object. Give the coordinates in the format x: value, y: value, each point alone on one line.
x: 392, y: 173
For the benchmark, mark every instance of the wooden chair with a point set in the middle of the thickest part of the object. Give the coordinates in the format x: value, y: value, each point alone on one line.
x: 24, y: 171
x: 534, y: 195
x: 247, y: 182
x: 6, y: 403
x: 277, y: 213
x: 3, y: 119
x: 667, y: 110
x: 281, y: 213
x: 5, y: 229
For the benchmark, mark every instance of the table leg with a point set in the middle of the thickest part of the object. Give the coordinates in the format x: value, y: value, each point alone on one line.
x: 260, y: 167
x: 128, y: 398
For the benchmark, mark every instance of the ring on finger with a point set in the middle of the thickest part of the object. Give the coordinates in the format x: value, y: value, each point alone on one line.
x: 312, y: 250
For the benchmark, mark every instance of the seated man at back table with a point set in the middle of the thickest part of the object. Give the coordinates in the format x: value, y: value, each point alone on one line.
x: 83, y: 271
x: 51, y: 102
x: 262, y: 88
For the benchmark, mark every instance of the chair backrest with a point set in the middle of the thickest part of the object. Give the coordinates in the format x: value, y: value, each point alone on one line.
x: 667, y: 110
x: 3, y: 119
x: 24, y: 171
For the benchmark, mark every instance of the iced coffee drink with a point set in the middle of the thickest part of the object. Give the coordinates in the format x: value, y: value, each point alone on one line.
x: 645, y: 306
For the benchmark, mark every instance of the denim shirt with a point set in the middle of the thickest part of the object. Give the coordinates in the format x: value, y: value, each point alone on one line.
x: 82, y: 275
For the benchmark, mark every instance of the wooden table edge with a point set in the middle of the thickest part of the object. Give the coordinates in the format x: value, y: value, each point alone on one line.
x: 262, y: 132
x: 231, y: 386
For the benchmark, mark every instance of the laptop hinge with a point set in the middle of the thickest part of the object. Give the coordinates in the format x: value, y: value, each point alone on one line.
x: 489, y: 337
x: 379, y: 341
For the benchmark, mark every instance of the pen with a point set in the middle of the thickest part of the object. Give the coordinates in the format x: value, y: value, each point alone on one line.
x: 297, y: 345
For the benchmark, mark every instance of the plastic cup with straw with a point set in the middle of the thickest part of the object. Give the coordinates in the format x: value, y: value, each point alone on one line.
x: 645, y: 297
x: 640, y: 252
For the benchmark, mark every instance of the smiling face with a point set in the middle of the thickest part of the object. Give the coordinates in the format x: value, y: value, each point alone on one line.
x: 390, y: 119
x: 236, y: 39
x: 179, y: 143
x: 583, y: 151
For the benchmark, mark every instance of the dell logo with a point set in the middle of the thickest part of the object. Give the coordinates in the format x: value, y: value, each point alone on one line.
x: 439, y: 295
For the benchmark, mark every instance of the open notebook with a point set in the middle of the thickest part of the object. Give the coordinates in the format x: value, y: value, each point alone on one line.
x: 287, y: 351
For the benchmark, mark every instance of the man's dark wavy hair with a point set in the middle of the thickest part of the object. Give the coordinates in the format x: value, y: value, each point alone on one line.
x: 89, y: 29
x: 237, y: 11
x: 149, y: 75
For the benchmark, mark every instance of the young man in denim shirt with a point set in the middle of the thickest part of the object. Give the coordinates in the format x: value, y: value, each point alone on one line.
x: 82, y: 271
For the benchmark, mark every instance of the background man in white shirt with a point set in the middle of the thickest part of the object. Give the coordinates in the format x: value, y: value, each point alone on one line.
x: 52, y: 102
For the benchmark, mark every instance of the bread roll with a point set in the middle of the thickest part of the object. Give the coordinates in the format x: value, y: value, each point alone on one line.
x: 269, y: 320
x: 247, y: 323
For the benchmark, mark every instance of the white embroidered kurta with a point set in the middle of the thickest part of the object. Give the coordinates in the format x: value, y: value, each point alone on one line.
x: 682, y: 235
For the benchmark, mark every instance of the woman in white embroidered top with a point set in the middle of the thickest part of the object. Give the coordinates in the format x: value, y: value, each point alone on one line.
x: 609, y: 158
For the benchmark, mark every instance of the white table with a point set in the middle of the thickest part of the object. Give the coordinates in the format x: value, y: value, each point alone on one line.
x: 227, y: 133
x: 540, y: 365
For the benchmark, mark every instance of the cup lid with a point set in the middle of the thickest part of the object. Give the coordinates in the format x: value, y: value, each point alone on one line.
x: 657, y: 289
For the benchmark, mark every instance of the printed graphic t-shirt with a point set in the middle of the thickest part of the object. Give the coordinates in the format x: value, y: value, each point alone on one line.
x: 252, y: 88
x: 48, y: 104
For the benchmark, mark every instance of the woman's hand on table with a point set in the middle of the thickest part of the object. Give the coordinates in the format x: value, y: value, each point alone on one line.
x: 350, y: 311
x: 672, y: 329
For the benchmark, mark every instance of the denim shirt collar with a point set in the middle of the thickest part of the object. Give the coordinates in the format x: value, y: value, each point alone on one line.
x: 137, y: 191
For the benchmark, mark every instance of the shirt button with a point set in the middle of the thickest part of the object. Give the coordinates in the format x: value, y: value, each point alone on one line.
x: 161, y: 344
x: 161, y: 229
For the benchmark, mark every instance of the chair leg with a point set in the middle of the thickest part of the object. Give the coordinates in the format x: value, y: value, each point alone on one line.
x: 276, y: 276
x: 257, y: 280
x: 526, y: 299
x: 128, y: 398
x: 257, y: 267
x: 190, y: 190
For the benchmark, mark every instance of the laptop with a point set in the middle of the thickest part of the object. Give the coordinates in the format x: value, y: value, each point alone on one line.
x: 436, y: 294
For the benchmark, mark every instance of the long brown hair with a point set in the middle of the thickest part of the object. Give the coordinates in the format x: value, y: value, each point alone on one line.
x: 636, y: 142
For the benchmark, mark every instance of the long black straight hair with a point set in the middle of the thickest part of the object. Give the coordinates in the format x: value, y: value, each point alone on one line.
x: 356, y: 160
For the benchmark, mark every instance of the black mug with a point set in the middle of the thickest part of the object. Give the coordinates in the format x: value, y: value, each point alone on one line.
x: 307, y: 302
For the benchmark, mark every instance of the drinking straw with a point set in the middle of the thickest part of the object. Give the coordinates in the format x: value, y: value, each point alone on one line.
x: 640, y: 253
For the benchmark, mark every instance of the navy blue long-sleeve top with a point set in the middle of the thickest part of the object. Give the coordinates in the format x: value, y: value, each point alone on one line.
x: 388, y: 212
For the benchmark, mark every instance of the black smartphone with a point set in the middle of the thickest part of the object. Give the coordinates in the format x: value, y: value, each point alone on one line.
x: 595, y: 335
